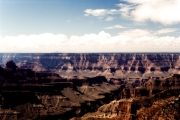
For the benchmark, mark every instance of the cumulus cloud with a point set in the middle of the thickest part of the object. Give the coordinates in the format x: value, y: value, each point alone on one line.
x: 32, y: 43
x: 162, y: 11
x: 114, y: 27
x: 136, y: 33
x: 127, y: 41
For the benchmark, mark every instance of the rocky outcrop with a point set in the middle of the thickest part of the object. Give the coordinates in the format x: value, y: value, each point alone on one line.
x: 27, y: 94
x: 157, y: 99
x: 105, y: 112
x: 115, y: 65
x: 11, y: 65
x: 163, y: 109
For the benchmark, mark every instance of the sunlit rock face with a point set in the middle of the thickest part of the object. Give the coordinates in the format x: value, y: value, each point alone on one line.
x: 155, y: 100
x: 114, y: 64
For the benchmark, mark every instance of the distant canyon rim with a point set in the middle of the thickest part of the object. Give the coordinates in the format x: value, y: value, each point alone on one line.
x: 110, y: 65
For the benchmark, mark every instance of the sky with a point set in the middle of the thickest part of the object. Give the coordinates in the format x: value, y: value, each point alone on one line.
x: 89, y: 26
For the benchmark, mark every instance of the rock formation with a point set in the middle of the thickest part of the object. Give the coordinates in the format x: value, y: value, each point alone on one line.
x: 11, y: 65
x: 157, y: 99
x: 112, y: 65
x: 27, y: 94
x: 90, y: 86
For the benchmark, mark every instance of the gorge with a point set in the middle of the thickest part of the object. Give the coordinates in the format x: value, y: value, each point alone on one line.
x: 114, y: 86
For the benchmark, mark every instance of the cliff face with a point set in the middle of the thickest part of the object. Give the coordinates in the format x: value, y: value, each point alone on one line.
x: 27, y: 94
x: 115, y: 65
x: 157, y: 99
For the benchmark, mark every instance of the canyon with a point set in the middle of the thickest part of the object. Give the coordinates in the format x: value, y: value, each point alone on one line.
x: 99, y: 62
x: 107, y: 86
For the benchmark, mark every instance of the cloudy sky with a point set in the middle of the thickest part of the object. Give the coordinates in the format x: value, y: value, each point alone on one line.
x: 89, y: 26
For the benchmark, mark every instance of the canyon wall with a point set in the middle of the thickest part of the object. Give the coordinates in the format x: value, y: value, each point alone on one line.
x: 70, y: 85
x: 34, y: 95
x: 111, y: 65
x: 155, y: 100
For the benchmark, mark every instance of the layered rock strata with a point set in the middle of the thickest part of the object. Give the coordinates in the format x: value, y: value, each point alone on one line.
x: 158, y: 99
x: 112, y: 65
x: 155, y: 100
x: 26, y: 94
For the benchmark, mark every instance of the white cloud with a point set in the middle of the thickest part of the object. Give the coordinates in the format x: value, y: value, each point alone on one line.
x: 162, y: 11
x: 136, y: 33
x: 141, y: 33
x: 101, y: 12
x: 166, y: 30
x: 128, y: 41
x: 32, y: 43
x: 125, y: 9
x: 97, y: 12
x: 110, y: 18
x: 114, y: 27
x: 68, y: 21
